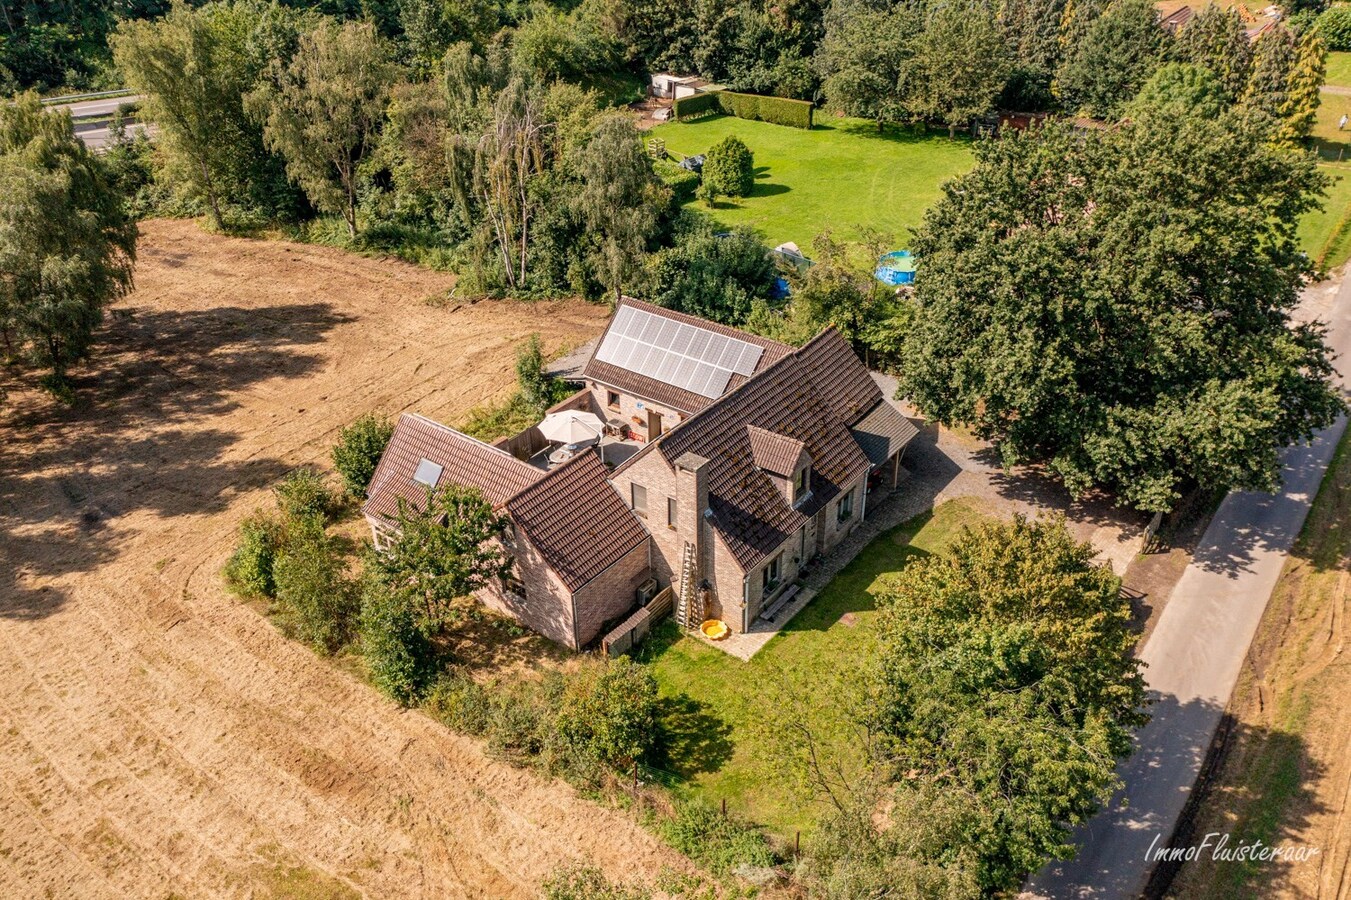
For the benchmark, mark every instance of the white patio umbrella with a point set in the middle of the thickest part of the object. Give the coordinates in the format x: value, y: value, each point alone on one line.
x: 572, y: 426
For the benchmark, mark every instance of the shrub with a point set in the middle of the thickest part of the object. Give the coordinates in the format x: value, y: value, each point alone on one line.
x: 461, y: 704
x: 682, y: 182
x: 729, y: 167
x: 304, y: 494
x: 720, y: 843
x: 314, y: 602
x: 522, y: 728
x: 398, y: 655
x: 608, y: 713
x: 358, y: 451
x: 583, y: 882
x: 537, y: 385
x: 249, y: 570
x: 1335, y: 27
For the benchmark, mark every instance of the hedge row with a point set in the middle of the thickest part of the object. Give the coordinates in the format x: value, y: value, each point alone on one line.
x: 778, y: 110
x: 696, y: 105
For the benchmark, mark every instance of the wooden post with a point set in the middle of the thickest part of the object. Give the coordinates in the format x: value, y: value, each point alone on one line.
x: 724, y: 807
x: 635, y: 778
x: 797, y: 845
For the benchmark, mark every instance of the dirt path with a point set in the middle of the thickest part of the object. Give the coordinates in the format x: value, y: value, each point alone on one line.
x: 156, y: 736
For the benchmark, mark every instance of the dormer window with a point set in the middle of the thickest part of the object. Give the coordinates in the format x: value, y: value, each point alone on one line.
x: 800, y: 483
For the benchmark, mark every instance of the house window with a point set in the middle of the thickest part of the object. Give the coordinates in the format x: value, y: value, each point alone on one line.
x: 845, y: 508
x: 800, y: 484
x: 639, y: 497
x: 427, y: 473
x: 612, y: 399
x: 671, y: 512
x: 769, y: 576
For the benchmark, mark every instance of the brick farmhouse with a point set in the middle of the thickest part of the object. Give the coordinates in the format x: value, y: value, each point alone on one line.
x: 752, y: 458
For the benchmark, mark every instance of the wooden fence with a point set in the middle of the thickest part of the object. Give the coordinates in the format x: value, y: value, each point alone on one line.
x: 529, y: 442
x: 630, y: 632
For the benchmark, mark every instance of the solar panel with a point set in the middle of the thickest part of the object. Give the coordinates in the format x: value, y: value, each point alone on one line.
x: 689, y: 357
x: 681, y: 343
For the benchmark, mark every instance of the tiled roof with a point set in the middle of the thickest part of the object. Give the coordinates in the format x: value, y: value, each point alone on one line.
x: 750, y: 513
x: 463, y: 460
x: 840, y: 376
x: 774, y: 452
x: 667, y: 394
x: 577, y: 520
x: 883, y: 431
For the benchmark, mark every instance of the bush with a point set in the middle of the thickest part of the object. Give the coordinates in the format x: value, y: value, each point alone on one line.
x: 398, y: 655
x: 250, y: 569
x: 608, y: 714
x: 715, y: 276
x: 1335, y: 27
x: 461, y: 704
x: 682, y: 182
x: 729, y: 167
x: 717, y: 842
x: 583, y: 882
x: 358, y: 451
x: 537, y: 386
x: 314, y: 602
x: 304, y: 494
x: 776, y: 110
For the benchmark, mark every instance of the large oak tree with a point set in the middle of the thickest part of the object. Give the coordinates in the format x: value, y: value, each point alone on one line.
x: 1117, y: 303
x: 1006, y: 693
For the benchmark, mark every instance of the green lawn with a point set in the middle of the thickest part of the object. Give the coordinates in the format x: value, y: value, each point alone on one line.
x: 1339, y: 70
x: 840, y: 175
x: 725, y: 716
x: 1319, y: 232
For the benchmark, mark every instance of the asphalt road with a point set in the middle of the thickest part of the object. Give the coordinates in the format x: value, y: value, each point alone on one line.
x: 105, y: 107
x: 97, y: 135
x: 1195, y: 654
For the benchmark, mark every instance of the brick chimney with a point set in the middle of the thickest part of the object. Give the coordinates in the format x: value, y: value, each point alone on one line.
x: 692, y: 501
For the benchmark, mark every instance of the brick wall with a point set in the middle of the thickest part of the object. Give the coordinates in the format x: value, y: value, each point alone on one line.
x: 652, y: 472
x: 609, y: 595
x: 629, y: 407
x: 547, y: 605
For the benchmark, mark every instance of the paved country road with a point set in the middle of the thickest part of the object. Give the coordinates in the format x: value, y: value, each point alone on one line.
x: 1195, y: 654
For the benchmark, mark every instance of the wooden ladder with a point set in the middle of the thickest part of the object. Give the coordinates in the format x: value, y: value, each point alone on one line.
x: 690, y: 608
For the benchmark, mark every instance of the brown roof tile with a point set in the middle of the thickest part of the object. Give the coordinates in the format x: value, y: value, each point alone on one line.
x: 883, y: 431
x: 463, y: 460
x: 750, y: 513
x: 577, y: 520
x: 840, y: 375
x: 668, y: 394
x: 775, y: 453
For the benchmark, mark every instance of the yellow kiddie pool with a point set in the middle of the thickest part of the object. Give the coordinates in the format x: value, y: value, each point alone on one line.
x: 715, y: 629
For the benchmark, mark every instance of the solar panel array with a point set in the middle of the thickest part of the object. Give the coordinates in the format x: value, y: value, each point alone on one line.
x: 689, y: 357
